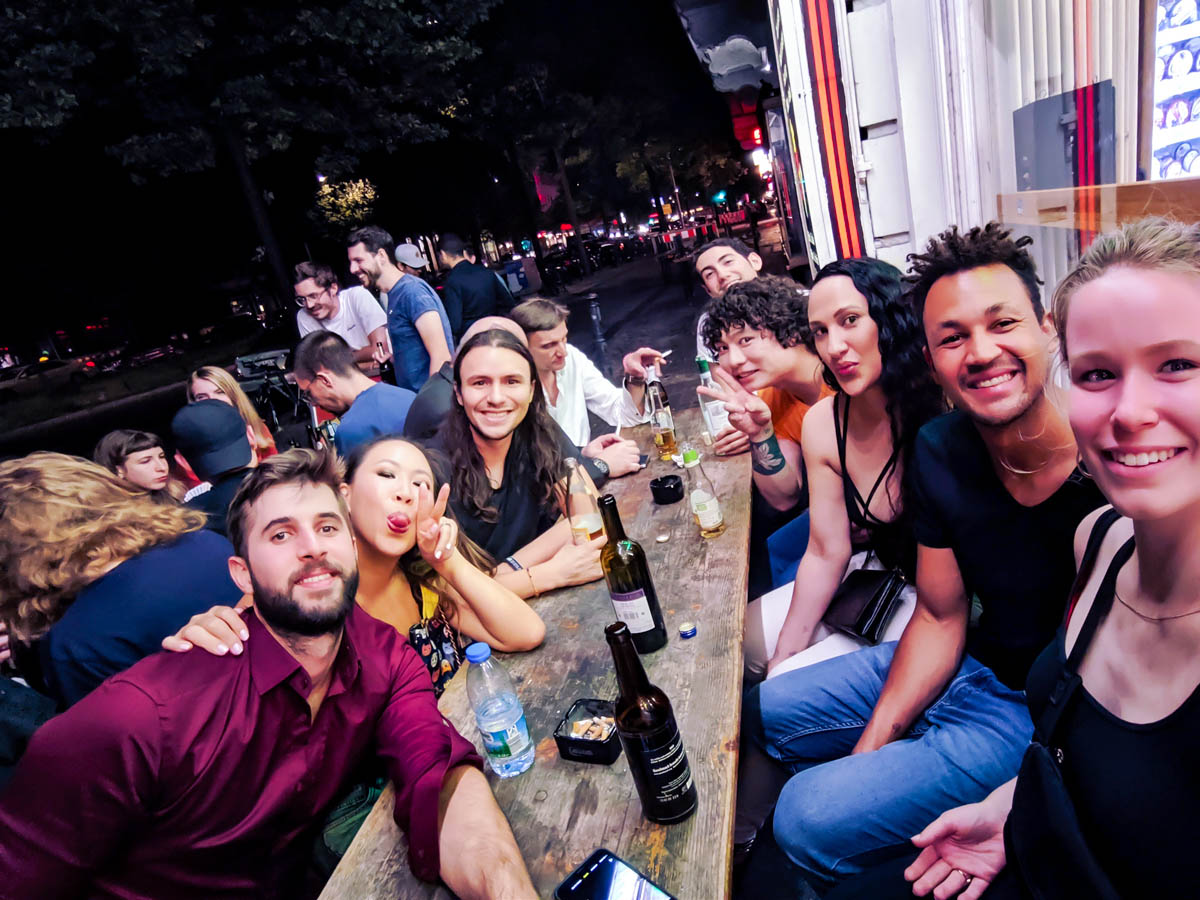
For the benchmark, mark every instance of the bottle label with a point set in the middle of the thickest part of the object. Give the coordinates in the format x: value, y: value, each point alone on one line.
x: 662, y: 418
x: 662, y: 762
x: 707, y: 509
x: 509, y: 742
x: 634, y: 610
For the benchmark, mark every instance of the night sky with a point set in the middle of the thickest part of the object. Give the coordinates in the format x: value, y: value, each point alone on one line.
x: 84, y: 241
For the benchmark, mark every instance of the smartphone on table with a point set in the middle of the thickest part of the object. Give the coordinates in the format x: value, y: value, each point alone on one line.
x: 605, y: 876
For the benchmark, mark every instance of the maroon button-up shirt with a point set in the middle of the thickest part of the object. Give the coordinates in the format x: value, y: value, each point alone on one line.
x: 197, y: 776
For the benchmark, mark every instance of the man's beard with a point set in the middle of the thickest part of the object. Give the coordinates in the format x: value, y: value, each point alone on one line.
x: 286, y: 615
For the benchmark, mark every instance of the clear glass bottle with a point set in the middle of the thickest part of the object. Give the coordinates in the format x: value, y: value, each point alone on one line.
x: 498, y: 713
x: 716, y: 419
x: 583, y: 510
x: 662, y: 424
x: 702, y: 496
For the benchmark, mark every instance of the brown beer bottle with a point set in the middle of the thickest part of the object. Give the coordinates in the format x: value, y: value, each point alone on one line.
x: 649, y: 736
x: 630, y: 586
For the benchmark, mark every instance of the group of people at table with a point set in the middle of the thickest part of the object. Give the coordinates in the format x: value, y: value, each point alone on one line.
x: 1023, y: 461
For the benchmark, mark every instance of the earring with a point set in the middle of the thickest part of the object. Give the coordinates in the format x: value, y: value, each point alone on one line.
x: 1079, y: 464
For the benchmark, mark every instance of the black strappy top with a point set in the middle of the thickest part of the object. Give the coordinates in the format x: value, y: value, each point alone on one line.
x: 1136, y: 787
x: 893, y: 541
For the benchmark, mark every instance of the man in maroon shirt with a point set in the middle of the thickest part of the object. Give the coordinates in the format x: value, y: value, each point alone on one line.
x: 204, y: 776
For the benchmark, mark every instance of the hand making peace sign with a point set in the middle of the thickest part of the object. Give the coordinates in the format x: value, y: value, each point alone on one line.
x: 747, y: 412
x: 437, y: 535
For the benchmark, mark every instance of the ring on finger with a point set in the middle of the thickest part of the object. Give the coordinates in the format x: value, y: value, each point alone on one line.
x: 966, y: 878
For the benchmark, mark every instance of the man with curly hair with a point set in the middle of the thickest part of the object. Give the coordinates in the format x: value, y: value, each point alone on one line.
x: 939, y: 719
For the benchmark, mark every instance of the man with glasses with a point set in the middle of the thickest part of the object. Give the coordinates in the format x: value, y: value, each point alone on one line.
x: 352, y: 314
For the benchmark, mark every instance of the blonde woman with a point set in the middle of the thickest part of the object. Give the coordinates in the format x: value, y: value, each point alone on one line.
x: 214, y: 383
x: 93, y: 572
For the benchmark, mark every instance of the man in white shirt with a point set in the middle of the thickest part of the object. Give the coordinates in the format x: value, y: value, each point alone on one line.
x: 353, y: 314
x: 573, y: 386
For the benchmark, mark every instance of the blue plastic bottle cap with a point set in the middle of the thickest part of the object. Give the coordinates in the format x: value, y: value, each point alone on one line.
x: 478, y: 652
x: 687, y: 630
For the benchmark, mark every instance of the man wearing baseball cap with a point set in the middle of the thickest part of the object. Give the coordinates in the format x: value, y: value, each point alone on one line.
x: 216, y: 442
x: 410, y: 260
x: 470, y: 291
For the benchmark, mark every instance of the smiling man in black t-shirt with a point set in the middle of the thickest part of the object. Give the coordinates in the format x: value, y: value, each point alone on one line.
x: 996, y: 498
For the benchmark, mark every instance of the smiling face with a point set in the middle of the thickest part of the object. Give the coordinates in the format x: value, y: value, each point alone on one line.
x: 365, y: 265
x: 320, y: 303
x: 1134, y: 340
x: 549, y: 348
x: 753, y: 356
x: 721, y: 267
x: 989, y: 351
x: 845, y: 335
x: 495, y: 392
x: 203, y: 389
x: 147, y: 469
x: 299, y: 560
x: 384, y: 493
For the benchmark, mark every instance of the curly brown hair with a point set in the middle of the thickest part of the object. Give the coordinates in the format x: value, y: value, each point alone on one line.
x: 769, y: 302
x: 64, y: 522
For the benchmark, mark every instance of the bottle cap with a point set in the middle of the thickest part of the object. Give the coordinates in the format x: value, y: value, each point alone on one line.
x: 687, y: 630
x: 478, y: 652
x: 690, y: 456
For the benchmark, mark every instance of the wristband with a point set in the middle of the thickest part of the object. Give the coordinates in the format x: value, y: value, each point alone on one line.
x: 513, y: 564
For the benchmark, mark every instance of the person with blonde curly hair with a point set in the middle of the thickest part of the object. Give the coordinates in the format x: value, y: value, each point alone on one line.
x: 214, y: 383
x: 93, y: 572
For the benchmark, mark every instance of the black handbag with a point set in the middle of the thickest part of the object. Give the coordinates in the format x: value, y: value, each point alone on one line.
x: 865, y: 602
x: 1042, y: 835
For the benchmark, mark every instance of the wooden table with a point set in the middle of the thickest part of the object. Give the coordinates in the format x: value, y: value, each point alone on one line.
x: 561, y: 811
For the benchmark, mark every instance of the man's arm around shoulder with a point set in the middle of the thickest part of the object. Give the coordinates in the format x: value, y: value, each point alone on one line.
x: 83, y: 784
x: 929, y: 653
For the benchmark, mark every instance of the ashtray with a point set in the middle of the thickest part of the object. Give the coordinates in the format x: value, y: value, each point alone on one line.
x: 668, y: 489
x: 583, y: 749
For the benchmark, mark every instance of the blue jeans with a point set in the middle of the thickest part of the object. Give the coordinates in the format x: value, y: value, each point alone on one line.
x: 785, y: 549
x: 839, y: 813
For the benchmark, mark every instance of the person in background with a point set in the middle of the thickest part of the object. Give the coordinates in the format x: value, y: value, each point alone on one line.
x: 93, y: 572
x: 235, y: 759
x: 417, y: 323
x: 139, y: 458
x: 573, y: 386
x: 769, y: 379
x: 215, y: 442
x: 470, y: 291
x: 353, y: 314
x: 214, y: 383
x: 324, y: 368
x: 1121, y: 822
x: 506, y: 468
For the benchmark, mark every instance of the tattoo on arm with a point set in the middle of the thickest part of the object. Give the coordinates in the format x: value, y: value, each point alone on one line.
x: 765, y: 456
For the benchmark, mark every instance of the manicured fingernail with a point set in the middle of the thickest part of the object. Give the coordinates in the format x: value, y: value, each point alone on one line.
x: 222, y: 649
x: 243, y: 634
x: 237, y: 648
x: 437, y: 554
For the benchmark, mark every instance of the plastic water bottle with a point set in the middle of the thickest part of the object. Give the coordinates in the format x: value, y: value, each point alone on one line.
x: 498, y: 714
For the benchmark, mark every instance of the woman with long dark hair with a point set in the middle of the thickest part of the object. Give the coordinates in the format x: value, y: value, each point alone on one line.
x: 507, y: 464
x: 856, y: 445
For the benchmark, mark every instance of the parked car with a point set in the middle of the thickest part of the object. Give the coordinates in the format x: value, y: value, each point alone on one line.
x: 45, y: 376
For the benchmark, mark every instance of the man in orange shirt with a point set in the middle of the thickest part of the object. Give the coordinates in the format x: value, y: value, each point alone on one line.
x: 756, y: 331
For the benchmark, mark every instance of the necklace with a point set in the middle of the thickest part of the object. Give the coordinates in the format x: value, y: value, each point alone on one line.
x: 1142, y: 615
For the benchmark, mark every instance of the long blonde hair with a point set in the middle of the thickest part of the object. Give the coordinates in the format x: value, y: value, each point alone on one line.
x: 64, y: 522
x: 263, y: 441
x: 1150, y: 243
